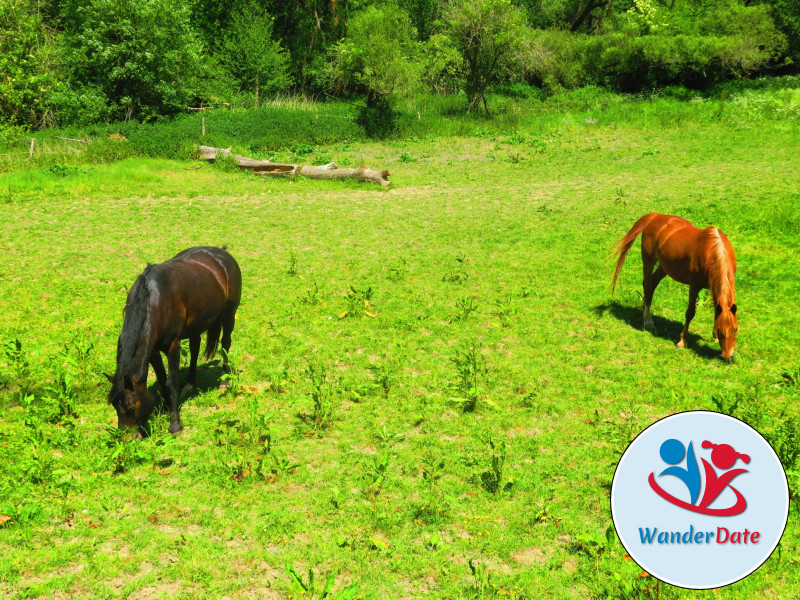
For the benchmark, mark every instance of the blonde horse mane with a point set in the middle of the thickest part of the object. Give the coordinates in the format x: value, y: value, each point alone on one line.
x: 718, y: 267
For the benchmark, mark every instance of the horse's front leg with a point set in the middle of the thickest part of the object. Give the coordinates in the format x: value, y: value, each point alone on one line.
x: 694, y: 290
x: 161, y: 375
x: 174, y: 363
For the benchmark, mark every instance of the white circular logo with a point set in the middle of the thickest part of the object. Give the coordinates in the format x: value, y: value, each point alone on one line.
x: 699, y: 500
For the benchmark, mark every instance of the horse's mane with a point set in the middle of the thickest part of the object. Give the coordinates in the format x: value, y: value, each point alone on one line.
x: 133, y: 329
x: 718, y: 266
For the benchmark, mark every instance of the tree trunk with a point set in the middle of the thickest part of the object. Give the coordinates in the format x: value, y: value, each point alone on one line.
x: 585, y: 14
x: 267, y: 168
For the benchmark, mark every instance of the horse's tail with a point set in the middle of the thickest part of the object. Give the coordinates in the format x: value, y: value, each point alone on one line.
x: 625, y: 243
x: 212, y: 338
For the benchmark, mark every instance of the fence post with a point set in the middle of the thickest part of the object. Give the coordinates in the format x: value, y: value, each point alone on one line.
x: 33, y: 143
x: 204, y: 126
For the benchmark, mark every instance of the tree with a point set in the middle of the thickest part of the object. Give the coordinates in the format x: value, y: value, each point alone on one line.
x: 252, y: 56
x: 491, y: 36
x: 308, y: 29
x: 375, y: 57
x: 141, y: 54
x: 786, y: 14
x: 25, y: 65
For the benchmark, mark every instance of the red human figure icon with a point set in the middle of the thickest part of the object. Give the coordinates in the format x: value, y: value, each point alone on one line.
x: 724, y: 457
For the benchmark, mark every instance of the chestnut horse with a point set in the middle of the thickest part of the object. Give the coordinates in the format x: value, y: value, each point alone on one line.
x: 700, y: 258
x: 198, y: 290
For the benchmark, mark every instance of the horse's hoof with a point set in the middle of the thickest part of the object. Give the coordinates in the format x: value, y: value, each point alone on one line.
x: 649, y: 325
x: 224, y: 386
x: 187, y: 390
x: 176, y: 427
x: 680, y: 344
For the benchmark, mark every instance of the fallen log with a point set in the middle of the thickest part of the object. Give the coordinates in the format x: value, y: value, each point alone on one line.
x: 70, y: 139
x: 267, y: 168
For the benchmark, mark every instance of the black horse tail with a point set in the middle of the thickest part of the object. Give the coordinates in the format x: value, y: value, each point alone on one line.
x: 212, y: 338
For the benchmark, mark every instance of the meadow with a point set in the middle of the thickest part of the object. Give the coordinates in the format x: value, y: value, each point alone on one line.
x: 432, y: 383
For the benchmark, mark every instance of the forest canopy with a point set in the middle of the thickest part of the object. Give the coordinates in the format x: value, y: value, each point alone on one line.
x: 72, y: 62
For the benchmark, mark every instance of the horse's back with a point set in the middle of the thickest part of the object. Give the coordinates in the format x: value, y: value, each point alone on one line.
x: 669, y: 234
x: 197, y: 269
x: 680, y: 248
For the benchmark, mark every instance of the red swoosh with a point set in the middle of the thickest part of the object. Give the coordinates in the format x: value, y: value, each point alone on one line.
x: 739, y: 507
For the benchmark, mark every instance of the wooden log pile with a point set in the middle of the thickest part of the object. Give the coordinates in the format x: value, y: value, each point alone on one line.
x: 266, y: 168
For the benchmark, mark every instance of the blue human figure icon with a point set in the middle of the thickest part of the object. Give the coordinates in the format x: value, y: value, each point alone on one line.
x: 672, y: 453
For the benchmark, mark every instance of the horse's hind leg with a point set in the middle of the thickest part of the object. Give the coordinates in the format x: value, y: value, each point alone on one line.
x: 693, y: 292
x: 649, y: 284
x: 228, y: 322
x: 194, y: 352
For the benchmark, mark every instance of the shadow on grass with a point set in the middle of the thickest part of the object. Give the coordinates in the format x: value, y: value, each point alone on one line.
x: 209, y: 376
x: 666, y: 329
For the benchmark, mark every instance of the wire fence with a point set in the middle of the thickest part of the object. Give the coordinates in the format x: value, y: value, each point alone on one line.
x: 32, y: 150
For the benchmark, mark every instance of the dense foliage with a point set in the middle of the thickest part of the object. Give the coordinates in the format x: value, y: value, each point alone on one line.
x: 65, y: 62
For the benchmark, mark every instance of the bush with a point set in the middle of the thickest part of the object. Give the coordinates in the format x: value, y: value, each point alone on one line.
x: 81, y: 106
x: 737, y: 42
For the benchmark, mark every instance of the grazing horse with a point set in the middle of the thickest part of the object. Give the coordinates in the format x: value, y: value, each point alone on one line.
x: 197, y: 290
x: 700, y: 258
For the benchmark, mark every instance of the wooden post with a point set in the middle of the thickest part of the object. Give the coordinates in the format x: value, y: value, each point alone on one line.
x: 33, y: 143
x: 204, y: 126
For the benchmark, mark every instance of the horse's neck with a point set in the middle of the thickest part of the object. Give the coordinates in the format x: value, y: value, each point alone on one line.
x: 136, y: 351
x: 143, y: 352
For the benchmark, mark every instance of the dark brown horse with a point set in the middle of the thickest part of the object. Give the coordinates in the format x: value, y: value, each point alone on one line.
x: 700, y: 258
x: 196, y: 291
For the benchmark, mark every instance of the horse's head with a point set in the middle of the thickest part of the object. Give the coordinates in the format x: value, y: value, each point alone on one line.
x: 133, y: 403
x: 726, y: 326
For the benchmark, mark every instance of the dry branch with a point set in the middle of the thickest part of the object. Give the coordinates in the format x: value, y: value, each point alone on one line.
x: 267, y: 168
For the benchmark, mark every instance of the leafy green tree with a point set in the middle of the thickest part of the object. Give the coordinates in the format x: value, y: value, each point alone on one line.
x: 211, y: 17
x: 26, y: 60
x: 491, y: 37
x: 257, y: 61
x: 308, y: 29
x: 140, y: 54
x: 424, y: 15
x: 786, y: 14
x: 376, y: 56
x: 442, y: 67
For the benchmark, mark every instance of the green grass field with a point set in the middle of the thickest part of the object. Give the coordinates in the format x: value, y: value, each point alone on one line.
x: 428, y: 377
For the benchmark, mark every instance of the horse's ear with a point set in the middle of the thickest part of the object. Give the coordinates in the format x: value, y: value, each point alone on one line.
x: 109, y: 377
x: 139, y: 388
x: 733, y: 308
x: 717, y: 310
